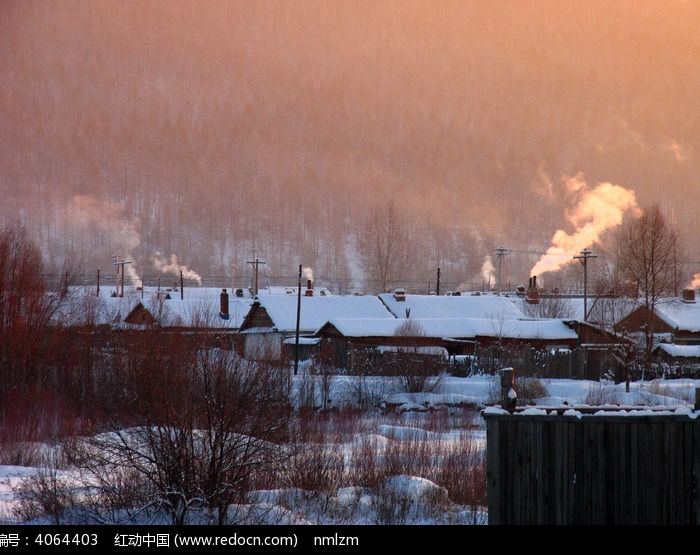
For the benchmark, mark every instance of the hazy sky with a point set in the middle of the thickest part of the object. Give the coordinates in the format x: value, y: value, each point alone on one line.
x: 205, y: 128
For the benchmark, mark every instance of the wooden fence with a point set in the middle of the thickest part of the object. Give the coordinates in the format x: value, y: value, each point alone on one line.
x: 619, y: 467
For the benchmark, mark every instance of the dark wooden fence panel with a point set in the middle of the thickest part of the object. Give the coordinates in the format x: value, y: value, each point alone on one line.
x: 593, y: 469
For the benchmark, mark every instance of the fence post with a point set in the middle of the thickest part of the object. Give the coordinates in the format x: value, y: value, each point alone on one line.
x: 508, y: 394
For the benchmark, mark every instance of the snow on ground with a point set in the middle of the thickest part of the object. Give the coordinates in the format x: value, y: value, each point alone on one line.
x: 479, y: 391
x: 400, y: 498
x: 10, y: 478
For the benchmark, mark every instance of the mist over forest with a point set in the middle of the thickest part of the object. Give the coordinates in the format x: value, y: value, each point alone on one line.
x: 201, y: 134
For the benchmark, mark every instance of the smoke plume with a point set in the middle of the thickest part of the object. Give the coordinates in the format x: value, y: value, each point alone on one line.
x: 596, y: 210
x: 308, y: 273
x: 171, y: 265
x: 487, y: 269
x: 695, y: 284
x: 90, y: 213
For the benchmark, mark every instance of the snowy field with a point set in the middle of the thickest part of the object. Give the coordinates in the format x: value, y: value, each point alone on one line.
x: 402, y: 459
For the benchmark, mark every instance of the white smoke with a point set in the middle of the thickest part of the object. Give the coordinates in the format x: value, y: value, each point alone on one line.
x: 680, y: 153
x: 596, y: 211
x: 357, y: 274
x: 695, y: 284
x: 171, y: 265
x: 308, y: 273
x: 89, y: 213
x: 487, y: 270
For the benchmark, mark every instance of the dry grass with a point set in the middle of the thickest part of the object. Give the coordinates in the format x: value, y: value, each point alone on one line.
x: 600, y: 393
x: 440, y: 448
x: 530, y: 390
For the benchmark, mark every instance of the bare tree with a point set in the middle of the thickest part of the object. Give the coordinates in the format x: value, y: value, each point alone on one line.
x: 382, y: 243
x: 648, y: 259
x: 419, y: 367
x: 555, y: 306
x: 26, y: 310
x: 218, y: 422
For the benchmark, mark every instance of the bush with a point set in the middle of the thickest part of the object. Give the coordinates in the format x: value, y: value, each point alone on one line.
x: 530, y: 390
x: 46, y: 494
x: 600, y: 393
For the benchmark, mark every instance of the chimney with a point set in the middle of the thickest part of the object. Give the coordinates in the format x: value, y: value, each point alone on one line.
x: 689, y: 296
x: 400, y: 294
x: 223, y: 310
x: 533, y: 294
x: 309, y: 288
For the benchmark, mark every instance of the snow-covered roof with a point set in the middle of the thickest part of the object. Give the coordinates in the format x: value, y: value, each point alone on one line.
x: 292, y: 290
x: 315, y: 311
x: 385, y: 327
x: 522, y: 328
x: 680, y: 351
x: 199, y: 307
x: 453, y: 306
x: 602, y: 310
x: 678, y: 314
x: 302, y: 341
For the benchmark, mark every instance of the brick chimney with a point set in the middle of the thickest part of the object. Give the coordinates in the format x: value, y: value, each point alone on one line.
x: 223, y: 306
x: 533, y: 294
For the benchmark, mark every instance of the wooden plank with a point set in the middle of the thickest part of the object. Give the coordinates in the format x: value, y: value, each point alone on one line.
x: 530, y: 514
x: 671, y: 449
x: 634, y: 481
x: 601, y: 466
x: 492, y: 460
x: 558, y: 464
x: 696, y: 471
x: 688, y: 472
x: 510, y: 473
x: 574, y: 454
x: 615, y: 474
x: 543, y: 471
x: 657, y: 511
x: 645, y: 495
x: 578, y: 501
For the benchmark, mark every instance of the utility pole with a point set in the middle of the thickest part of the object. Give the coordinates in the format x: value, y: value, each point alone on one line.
x: 296, y: 347
x: 500, y: 253
x: 437, y: 288
x: 585, y: 255
x: 120, y: 271
x: 256, y: 263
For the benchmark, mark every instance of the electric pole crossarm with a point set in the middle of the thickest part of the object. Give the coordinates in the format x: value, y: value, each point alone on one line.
x: 256, y: 264
x: 120, y: 272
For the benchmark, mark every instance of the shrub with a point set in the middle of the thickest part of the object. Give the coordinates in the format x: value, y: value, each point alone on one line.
x: 530, y: 390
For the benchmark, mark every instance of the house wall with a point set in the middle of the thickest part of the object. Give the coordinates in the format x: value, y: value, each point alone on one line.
x: 590, y: 335
x: 335, y: 349
x: 637, y: 320
x: 539, y: 344
x: 265, y: 346
x: 681, y: 337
